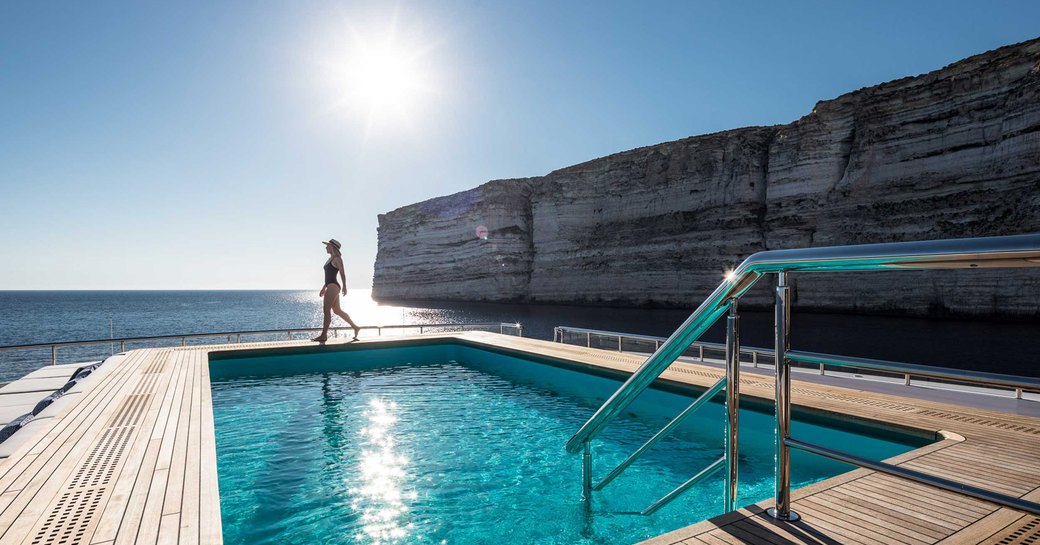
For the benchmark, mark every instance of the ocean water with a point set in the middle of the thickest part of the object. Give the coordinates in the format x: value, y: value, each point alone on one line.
x: 455, y: 445
x: 37, y: 317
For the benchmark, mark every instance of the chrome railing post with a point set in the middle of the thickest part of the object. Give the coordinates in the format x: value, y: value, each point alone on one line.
x: 501, y: 329
x: 519, y: 330
x: 732, y: 403
x: 588, y: 339
x: 586, y: 472
x: 700, y: 347
x: 619, y: 337
x: 754, y: 359
x: 122, y: 346
x: 184, y: 341
x: 54, y: 355
x: 1018, y: 393
x: 782, y: 461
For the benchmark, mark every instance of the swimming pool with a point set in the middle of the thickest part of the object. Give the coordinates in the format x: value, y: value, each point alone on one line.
x: 449, y: 443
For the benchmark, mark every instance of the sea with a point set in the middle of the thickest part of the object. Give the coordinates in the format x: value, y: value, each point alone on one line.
x: 28, y: 317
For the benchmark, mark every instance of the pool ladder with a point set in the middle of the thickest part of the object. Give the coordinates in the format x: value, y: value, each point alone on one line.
x: 971, y: 253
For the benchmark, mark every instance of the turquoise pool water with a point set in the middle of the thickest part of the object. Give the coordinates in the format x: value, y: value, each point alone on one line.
x: 448, y: 444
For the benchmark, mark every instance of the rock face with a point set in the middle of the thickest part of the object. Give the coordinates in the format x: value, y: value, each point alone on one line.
x: 949, y: 154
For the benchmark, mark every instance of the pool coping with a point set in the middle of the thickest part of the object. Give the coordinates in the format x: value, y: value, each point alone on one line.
x: 133, y: 458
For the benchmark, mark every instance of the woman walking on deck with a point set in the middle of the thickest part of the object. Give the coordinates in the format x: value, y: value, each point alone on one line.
x: 330, y: 291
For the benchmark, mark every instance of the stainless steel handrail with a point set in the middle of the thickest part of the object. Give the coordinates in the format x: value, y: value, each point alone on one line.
x: 560, y: 331
x: 1010, y: 251
x: 664, y: 432
x: 938, y: 375
x: 238, y: 335
x: 966, y: 376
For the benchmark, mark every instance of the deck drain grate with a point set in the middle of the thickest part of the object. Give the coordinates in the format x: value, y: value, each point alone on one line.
x: 689, y: 371
x: 158, y: 365
x: 70, y: 518
x: 980, y: 421
x: 100, y: 465
x: 130, y: 410
x: 1027, y: 534
x: 147, y: 384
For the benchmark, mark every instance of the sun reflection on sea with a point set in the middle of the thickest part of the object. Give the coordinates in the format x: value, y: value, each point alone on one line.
x: 381, y: 500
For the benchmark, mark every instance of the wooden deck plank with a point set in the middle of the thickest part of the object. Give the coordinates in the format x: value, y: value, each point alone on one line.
x: 922, y: 500
x: 900, y: 532
x: 901, y: 518
x: 210, y: 528
x: 179, y: 455
x: 190, y: 512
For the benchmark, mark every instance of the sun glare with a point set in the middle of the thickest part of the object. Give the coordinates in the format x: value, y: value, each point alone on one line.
x: 380, y: 76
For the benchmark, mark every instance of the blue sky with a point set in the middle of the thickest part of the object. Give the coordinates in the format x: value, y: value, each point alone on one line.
x: 195, y: 145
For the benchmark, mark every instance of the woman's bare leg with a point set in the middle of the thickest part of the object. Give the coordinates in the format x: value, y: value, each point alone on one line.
x: 339, y: 312
x: 331, y: 298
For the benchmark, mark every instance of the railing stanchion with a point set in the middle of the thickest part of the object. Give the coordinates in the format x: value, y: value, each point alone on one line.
x: 754, y: 359
x: 782, y: 331
x: 906, y: 379
x: 184, y: 341
x: 588, y: 339
x: 238, y: 338
x: 619, y: 337
x: 54, y: 355
x: 420, y: 330
x: 821, y: 369
x: 732, y: 403
x: 657, y: 345
x: 122, y: 346
x: 586, y: 472
x: 700, y: 347
x: 1018, y: 393
x: 519, y: 330
x: 501, y: 330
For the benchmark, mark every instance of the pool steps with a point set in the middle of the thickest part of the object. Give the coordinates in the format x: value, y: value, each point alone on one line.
x: 971, y: 253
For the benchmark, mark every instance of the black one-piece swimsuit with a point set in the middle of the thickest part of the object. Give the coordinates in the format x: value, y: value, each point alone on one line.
x: 330, y: 273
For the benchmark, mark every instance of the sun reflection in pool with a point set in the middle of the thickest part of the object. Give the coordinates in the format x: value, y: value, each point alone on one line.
x: 380, y: 502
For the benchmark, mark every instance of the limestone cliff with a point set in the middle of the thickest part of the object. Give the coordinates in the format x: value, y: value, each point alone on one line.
x: 952, y: 153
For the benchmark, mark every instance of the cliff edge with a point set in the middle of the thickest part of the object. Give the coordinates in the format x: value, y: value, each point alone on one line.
x: 949, y: 154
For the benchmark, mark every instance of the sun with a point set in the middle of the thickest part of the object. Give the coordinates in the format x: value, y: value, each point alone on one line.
x: 384, y: 79
x: 381, y: 76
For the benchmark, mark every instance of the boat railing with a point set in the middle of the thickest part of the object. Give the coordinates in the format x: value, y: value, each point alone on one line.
x: 817, y: 363
x: 991, y: 252
x: 183, y: 339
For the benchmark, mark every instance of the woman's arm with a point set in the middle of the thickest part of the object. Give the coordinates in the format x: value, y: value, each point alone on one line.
x: 338, y: 262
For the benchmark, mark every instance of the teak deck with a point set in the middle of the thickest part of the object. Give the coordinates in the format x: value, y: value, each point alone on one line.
x: 133, y: 460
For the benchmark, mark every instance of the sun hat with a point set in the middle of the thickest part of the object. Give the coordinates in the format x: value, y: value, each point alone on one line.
x: 333, y: 242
